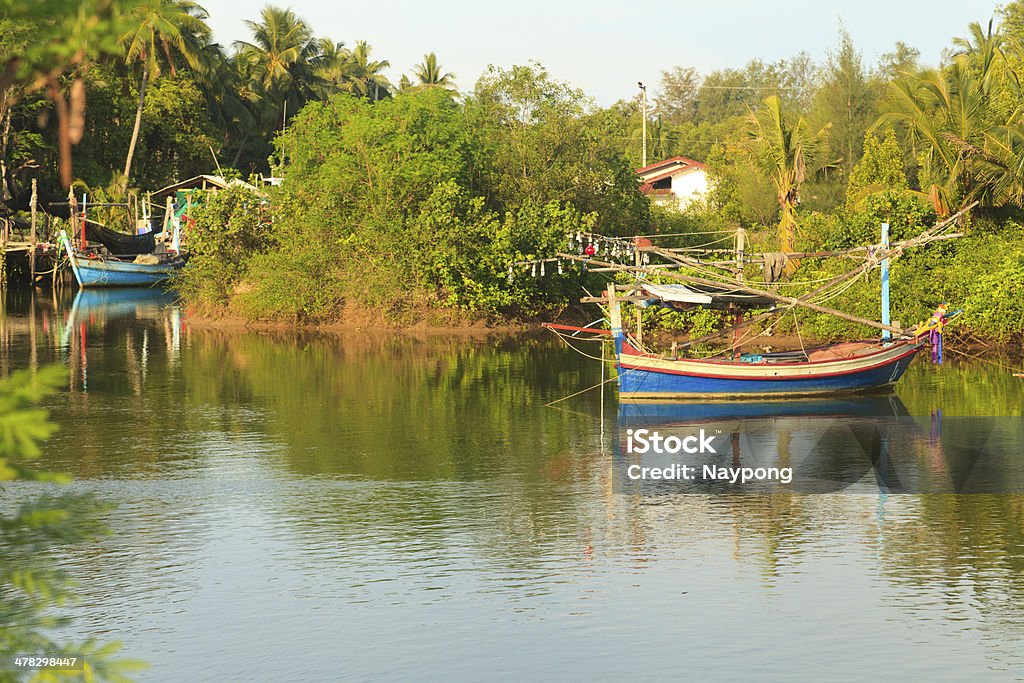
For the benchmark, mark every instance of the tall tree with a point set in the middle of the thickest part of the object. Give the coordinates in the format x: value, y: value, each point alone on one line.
x: 283, y: 60
x: 429, y: 74
x: 678, y: 93
x: 333, y: 65
x: 902, y: 60
x: 786, y: 152
x: 847, y: 101
x: 365, y: 76
x: 166, y: 31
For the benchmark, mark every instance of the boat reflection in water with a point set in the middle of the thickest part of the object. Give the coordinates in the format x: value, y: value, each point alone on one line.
x: 857, y: 444
x: 125, y: 326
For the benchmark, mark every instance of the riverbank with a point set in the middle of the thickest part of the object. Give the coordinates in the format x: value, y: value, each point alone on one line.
x: 353, y: 319
x: 362, y: 319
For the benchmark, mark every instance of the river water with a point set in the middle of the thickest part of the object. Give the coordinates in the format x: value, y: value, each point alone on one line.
x: 303, y: 507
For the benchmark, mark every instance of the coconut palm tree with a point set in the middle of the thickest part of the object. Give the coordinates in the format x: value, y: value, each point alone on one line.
x: 963, y: 125
x: 365, y: 77
x: 982, y: 48
x: 333, y: 66
x: 232, y: 104
x: 283, y: 60
x: 785, y: 152
x: 164, y: 33
x: 430, y: 75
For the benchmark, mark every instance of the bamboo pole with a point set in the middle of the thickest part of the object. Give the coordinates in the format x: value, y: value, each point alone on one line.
x: 923, y: 238
x: 741, y: 239
x: 639, y: 311
x: 764, y: 316
x: 741, y: 288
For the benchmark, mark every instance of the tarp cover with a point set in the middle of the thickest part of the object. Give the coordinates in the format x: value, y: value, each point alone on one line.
x: 706, y: 295
x: 119, y: 243
x: 680, y: 293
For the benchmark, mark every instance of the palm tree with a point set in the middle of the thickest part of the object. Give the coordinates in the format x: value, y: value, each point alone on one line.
x: 333, y: 65
x: 966, y: 118
x: 967, y: 151
x: 283, y: 60
x: 230, y: 100
x: 430, y: 75
x: 982, y: 48
x: 364, y: 76
x: 785, y: 153
x: 661, y: 140
x: 163, y: 32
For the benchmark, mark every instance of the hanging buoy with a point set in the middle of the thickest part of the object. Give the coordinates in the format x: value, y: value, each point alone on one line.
x: 533, y: 271
x: 590, y: 250
x: 542, y: 269
x: 559, y: 266
x: 510, y: 274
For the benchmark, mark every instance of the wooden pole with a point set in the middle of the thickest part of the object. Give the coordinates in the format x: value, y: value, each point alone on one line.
x: 615, y: 319
x: 84, y: 200
x: 885, y: 281
x: 741, y: 239
x: 639, y: 311
x: 32, y: 237
x: 73, y: 208
x: 168, y: 215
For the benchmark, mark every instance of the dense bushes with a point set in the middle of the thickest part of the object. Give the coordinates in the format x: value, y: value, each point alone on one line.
x: 400, y: 204
x: 416, y: 202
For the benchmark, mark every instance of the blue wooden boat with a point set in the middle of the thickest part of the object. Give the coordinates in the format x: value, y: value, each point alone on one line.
x: 835, y: 369
x: 110, y: 271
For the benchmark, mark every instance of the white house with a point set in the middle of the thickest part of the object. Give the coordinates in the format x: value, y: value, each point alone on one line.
x: 676, y: 182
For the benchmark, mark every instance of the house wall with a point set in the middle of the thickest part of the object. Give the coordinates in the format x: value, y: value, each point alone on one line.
x: 690, y: 187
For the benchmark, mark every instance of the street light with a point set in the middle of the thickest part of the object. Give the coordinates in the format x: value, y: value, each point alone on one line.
x: 643, y: 99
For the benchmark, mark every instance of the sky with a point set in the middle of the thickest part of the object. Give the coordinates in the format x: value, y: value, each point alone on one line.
x: 606, y: 47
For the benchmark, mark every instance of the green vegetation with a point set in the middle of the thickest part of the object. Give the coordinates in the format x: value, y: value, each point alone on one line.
x: 32, y: 587
x: 418, y: 202
x: 417, y: 196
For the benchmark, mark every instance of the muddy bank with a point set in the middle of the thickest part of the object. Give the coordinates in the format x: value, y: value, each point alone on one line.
x: 355, y: 319
x: 460, y: 323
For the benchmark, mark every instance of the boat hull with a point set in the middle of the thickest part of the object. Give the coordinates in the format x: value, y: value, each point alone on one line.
x: 103, y: 273
x: 110, y: 272
x: 643, y: 376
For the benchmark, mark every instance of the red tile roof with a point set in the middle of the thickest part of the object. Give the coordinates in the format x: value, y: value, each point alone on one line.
x: 674, y: 162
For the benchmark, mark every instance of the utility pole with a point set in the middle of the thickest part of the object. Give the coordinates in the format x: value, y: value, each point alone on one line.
x: 643, y: 100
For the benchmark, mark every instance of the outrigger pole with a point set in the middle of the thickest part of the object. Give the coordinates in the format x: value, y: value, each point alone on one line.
x: 736, y: 288
x: 882, y: 254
